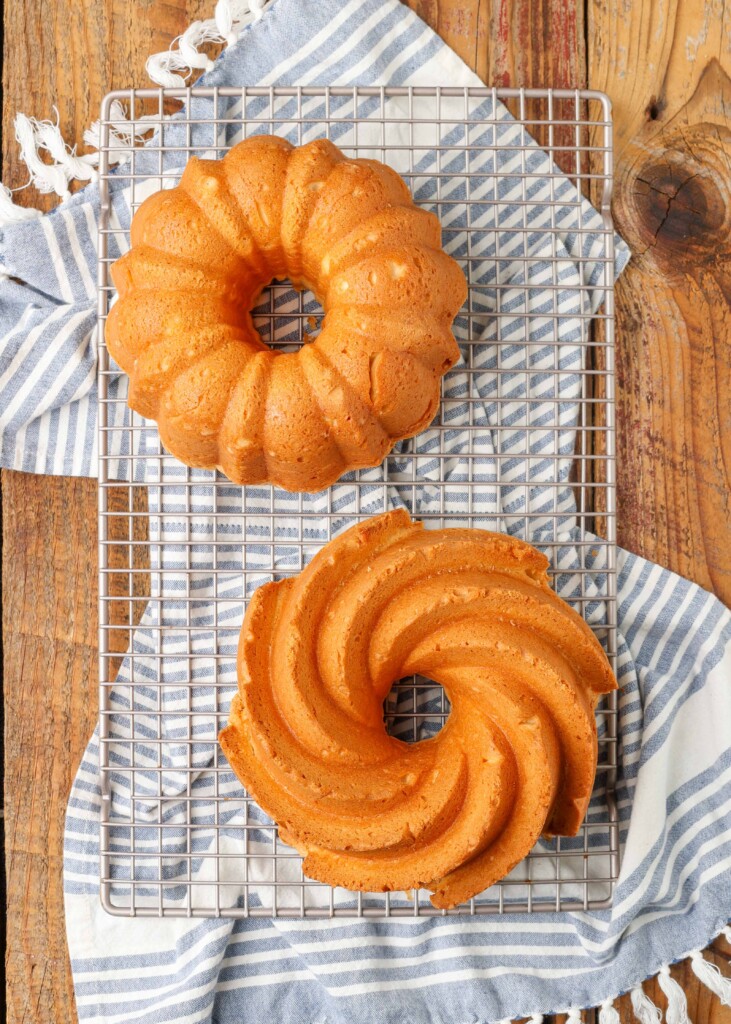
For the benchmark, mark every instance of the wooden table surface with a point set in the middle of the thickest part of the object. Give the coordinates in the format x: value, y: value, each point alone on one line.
x: 666, y: 67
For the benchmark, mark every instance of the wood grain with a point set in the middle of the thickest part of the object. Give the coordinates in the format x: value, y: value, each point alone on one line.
x: 66, y: 54
x: 665, y: 67
x: 50, y: 698
x: 513, y: 42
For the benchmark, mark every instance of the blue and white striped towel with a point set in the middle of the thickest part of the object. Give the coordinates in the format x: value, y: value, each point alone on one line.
x: 674, y: 793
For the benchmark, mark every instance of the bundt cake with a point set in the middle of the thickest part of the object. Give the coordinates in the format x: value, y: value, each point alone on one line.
x: 200, y: 256
x: 517, y: 756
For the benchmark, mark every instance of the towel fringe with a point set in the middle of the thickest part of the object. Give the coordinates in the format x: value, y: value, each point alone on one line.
x: 12, y: 214
x: 46, y: 177
x: 122, y: 133
x: 608, y: 1014
x: 643, y: 1007
x: 677, y: 1011
x: 229, y: 18
x: 710, y: 976
x: 44, y: 137
x: 39, y: 140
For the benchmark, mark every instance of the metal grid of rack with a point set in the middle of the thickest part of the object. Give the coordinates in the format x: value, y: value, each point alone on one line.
x: 181, y: 550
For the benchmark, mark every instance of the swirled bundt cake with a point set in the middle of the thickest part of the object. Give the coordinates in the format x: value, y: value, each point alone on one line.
x: 202, y: 253
x: 517, y: 756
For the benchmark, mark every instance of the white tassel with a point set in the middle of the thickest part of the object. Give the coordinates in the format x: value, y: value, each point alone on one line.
x: 677, y: 1011
x: 122, y: 133
x: 727, y: 933
x: 231, y: 12
x: 45, y: 177
x: 48, y: 137
x: 644, y: 1009
x: 36, y: 136
x: 229, y: 19
x: 536, y: 1018
x: 198, y: 33
x: 224, y: 19
x: 257, y: 8
x: 607, y: 1013
x: 573, y: 1015
x: 161, y: 68
x: 12, y: 214
x: 66, y: 165
x: 711, y: 977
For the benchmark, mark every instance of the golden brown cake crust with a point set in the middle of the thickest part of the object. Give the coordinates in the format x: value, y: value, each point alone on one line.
x: 517, y: 756
x: 202, y: 253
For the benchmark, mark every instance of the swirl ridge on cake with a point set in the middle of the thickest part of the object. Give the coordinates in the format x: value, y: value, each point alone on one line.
x: 201, y: 254
x: 470, y: 609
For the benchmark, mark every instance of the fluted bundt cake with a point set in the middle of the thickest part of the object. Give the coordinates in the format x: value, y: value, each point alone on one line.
x: 202, y: 253
x: 517, y: 756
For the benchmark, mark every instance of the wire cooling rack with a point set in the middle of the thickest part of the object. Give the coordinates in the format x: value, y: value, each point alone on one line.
x: 181, y: 550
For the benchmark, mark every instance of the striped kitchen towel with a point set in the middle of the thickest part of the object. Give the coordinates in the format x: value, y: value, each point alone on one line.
x: 674, y: 789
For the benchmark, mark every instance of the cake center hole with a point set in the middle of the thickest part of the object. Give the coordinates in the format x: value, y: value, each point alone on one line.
x: 285, y: 317
x: 415, y: 709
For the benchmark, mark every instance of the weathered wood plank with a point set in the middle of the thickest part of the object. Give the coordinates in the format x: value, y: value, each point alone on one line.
x: 513, y: 42
x: 666, y: 68
x: 49, y: 616
x: 464, y: 24
x: 66, y: 54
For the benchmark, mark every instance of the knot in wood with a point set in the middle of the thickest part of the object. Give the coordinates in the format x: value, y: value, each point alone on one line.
x: 677, y: 198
